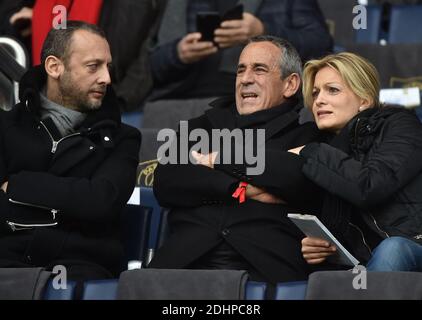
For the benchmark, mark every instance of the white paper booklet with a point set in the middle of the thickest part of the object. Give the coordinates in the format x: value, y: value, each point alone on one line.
x: 311, y: 226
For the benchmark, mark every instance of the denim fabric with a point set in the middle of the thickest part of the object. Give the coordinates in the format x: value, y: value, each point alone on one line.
x: 396, y: 254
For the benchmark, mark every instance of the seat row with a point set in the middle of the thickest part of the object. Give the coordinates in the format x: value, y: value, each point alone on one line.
x: 144, y: 227
x: 107, y: 290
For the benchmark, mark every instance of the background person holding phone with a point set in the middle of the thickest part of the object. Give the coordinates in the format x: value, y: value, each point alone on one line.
x: 185, y: 67
x: 218, y: 33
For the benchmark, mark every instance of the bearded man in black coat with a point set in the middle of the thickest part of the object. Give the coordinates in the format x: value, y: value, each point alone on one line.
x: 67, y: 163
x: 230, y: 201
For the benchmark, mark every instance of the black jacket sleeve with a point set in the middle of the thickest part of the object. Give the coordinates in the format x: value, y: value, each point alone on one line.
x: 282, y: 175
x: 166, y: 65
x: 97, y: 198
x: 5, y: 208
x: 191, y: 185
x: 389, y: 165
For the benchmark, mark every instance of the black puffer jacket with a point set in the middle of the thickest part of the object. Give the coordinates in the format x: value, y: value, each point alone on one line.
x: 380, y: 174
x: 64, y: 195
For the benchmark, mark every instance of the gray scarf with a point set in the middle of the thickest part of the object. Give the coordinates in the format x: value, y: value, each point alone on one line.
x: 65, y: 119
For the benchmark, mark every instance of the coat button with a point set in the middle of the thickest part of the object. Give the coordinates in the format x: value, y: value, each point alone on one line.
x: 225, y: 232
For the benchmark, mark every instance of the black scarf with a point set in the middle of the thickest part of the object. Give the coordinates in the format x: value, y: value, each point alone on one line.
x: 261, y: 117
x: 338, y: 214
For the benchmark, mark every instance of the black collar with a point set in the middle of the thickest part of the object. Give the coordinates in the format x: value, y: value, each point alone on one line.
x: 225, y: 116
x: 264, y: 116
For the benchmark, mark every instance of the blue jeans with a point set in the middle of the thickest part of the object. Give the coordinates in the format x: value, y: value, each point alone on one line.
x: 396, y: 254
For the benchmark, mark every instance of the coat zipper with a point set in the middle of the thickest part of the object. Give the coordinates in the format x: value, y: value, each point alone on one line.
x: 376, y: 225
x: 53, y: 211
x: 54, y: 142
x: 356, y: 129
x: 20, y: 226
x: 363, y: 237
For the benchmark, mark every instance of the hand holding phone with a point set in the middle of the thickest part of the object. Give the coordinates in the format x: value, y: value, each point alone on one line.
x: 235, y: 32
x: 206, y: 23
x: 235, y: 13
x: 190, y: 49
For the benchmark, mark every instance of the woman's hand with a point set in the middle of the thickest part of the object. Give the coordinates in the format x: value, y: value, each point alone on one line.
x: 4, y: 186
x: 296, y: 150
x: 316, y: 250
x: 258, y: 194
x: 206, y: 160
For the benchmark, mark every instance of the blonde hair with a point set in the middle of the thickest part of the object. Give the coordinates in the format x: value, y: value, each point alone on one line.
x: 358, y: 73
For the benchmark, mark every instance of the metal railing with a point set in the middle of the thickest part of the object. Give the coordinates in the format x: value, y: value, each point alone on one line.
x: 17, y: 63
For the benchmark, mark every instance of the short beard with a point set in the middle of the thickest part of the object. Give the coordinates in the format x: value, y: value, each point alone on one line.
x: 73, y: 97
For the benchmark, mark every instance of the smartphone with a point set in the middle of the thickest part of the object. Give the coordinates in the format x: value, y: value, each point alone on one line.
x: 235, y: 13
x: 206, y: 23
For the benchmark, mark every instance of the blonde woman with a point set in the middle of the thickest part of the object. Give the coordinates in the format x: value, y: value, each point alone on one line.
x: 372, y: 168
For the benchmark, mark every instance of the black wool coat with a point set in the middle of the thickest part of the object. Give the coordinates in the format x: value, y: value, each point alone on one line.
x: 64, y: 195
x: 374, y: 177
x: 204, y: 213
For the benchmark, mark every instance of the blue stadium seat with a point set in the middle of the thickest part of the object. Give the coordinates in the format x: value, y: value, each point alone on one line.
x: 100, y: 289
x: 148, y: 200
x: 419, y: 113
x: 255, y: 290
x: 135, y: 224
x: 133, y: 118
x: 60, y: 294
x: 372, y: 33
x: 405, y: 24
x: 294, y: 290
x: 163, y: 230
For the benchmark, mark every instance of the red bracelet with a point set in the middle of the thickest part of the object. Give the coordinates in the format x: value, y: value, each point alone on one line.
x: 240, y: 192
